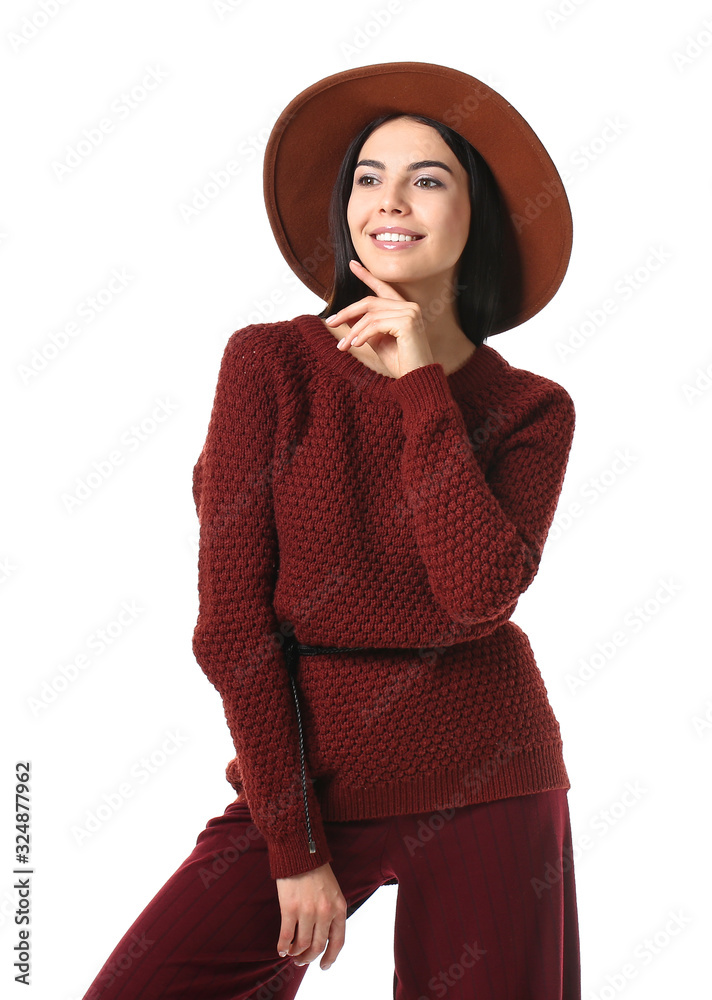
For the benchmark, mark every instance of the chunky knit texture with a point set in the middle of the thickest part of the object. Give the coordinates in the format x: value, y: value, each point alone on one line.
x: 348, y: 508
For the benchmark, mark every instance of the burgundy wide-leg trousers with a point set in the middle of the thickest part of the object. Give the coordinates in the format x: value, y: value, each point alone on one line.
x: 485, y: 910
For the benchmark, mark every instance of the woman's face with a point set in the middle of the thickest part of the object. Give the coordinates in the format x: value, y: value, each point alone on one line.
x: 390, y: 194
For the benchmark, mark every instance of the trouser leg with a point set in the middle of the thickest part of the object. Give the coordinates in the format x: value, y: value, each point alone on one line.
x: 486, y: 902
x: 212, y: 929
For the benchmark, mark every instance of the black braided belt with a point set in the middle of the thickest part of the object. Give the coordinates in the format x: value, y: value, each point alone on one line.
x: 292, y: 651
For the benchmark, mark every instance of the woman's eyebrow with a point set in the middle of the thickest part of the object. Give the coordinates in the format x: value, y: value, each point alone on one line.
x: 411, y: 166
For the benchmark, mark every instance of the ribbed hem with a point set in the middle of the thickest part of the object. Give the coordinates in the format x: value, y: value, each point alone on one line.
x: 514, y: 772
x: 291, y: 855
x: 288, y: 855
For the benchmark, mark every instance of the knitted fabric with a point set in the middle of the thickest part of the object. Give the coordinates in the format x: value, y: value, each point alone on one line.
x: 409, y: 514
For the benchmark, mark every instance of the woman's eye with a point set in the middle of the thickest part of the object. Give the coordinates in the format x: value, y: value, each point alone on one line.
x: 430, y: 182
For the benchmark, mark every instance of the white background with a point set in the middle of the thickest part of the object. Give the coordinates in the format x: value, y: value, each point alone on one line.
x: 624, y: 119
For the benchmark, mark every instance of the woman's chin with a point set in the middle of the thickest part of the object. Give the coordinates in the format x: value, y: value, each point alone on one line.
x: 388, y: 270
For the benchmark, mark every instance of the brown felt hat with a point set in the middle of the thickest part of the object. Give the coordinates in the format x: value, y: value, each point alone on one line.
x: 309, y: 139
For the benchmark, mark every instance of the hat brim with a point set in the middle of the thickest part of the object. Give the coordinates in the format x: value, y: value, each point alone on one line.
x: 309, y: 139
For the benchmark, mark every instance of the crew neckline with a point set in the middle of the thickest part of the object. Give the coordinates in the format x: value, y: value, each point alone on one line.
x: 478, y: 369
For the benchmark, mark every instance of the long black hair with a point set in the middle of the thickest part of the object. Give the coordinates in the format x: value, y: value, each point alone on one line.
x: 478, y: 292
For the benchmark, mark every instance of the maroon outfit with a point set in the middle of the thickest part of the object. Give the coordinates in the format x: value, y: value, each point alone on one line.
x: 339, y: 507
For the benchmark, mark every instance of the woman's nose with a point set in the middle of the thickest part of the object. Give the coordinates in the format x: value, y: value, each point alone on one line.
x: 393, y: 199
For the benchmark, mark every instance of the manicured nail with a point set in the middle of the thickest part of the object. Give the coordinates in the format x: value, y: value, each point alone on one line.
x: 327, y: 966
x: 341, y: 342
x: 356, y: 262
x: 282, y: 954
x: 330, y: 318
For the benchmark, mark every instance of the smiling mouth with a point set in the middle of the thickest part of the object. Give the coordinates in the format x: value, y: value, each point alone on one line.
x: 395, y: 241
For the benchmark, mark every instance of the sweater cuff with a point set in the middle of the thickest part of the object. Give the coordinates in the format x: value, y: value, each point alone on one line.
x: 423, y: 389
x: 290, y: 855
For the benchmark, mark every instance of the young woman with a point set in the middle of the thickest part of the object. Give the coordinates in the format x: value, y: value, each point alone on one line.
x: 374, y: 494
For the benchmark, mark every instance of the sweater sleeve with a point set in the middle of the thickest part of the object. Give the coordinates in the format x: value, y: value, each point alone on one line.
x: 237, y: 640
x: 480, y: 533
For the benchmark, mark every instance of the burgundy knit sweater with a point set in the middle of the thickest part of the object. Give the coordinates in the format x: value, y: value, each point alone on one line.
x: 353, y: 509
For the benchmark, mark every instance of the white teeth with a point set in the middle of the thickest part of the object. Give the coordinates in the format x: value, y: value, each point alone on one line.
x: 395, y: 237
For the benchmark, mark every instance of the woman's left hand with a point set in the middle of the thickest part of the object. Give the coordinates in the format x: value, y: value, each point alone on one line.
x: 391, y: 325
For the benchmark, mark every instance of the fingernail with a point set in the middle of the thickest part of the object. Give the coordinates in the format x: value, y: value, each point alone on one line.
x: 356, y: 262
x: 327, y: 966
x: 282, y: 954
x: 330, y: 318
x: 341, y: 342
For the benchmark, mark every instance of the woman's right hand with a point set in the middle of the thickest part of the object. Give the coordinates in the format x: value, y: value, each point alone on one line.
x: 313, y: 905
